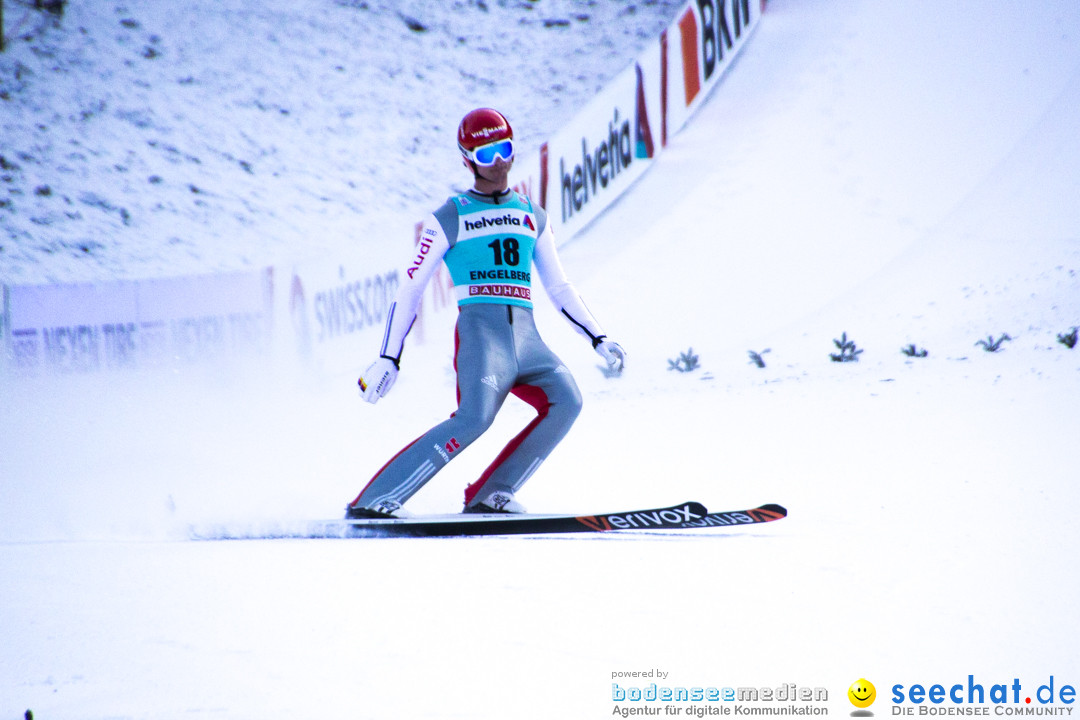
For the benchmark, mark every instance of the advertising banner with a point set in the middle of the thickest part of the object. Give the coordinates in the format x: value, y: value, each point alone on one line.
x: 588, y: 164
x: 136, y: 323
x: 333, y: 314
x: 699, y: 47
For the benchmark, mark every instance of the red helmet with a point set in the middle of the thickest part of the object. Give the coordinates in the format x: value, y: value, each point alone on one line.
x: 482, y: 127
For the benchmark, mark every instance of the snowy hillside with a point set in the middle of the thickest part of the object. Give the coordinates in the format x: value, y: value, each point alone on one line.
x: 163, y: 138
x: 905, y: 175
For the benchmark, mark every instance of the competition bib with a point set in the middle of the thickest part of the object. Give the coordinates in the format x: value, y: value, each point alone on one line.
x: 491, y: 261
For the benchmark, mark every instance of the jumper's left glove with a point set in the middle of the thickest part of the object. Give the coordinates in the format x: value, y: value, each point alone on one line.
x: 613, y: 355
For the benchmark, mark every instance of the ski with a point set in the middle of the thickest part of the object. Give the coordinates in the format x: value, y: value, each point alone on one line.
x: 685, y: 516
x: 665, y: 518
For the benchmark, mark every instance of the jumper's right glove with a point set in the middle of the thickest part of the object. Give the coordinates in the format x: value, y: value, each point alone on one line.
x: 613, y: 355
x: 378, y: 379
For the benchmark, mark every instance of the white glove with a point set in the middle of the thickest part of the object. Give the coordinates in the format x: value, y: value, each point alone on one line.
x: 613, y: 355
x: 378, y: 379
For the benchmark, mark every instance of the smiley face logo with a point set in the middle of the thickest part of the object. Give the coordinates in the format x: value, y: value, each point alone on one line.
x: 862, y: 693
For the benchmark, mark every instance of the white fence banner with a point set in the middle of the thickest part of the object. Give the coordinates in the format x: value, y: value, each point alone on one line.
x: 133, y: 323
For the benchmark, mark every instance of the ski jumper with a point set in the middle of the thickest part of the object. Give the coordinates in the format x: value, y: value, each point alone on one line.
x: 492, y: 245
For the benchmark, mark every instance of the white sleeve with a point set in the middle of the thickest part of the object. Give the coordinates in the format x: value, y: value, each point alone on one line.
x: 427, y: 255
x: 563, y: 295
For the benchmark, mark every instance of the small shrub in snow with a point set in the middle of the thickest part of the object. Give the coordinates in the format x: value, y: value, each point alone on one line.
x: 54, y: 7
x: 1069, y: 339
x: 992, y: 345
x: 755, y: 357
x: 686, y: 362
x: 848, y: 351
x: 912, y: 351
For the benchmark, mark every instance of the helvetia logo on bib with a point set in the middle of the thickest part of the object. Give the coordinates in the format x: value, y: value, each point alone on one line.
x: 486, y: 222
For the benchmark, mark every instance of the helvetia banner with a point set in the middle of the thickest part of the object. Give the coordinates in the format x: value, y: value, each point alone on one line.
x: 611, y: 142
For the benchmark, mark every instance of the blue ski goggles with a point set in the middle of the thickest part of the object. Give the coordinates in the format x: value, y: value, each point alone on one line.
x: 487, y: 154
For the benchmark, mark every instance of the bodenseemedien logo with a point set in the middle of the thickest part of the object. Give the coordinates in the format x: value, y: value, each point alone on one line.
x: 699, y: 701
x: 862, y: 694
